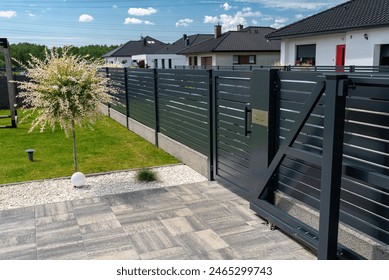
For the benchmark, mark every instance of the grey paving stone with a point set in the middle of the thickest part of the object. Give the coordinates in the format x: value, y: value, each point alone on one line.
x: 108, y: 242
x: 194, y: 221
x: 52, y: 209
x: 19, y: 252
x: 26, y: 212
x: 63, y: 251
x: 177, y: 226
x: 173, y: 253
x: 152, y: 240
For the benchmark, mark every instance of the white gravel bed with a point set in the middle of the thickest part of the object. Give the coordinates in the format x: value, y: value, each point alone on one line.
x: 56, y: 190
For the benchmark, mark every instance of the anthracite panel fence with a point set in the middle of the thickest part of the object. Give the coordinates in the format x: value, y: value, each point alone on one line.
x: 317, y: 127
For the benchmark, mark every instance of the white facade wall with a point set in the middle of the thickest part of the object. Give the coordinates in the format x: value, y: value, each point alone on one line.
x: 119, y: 61
x: 359, y: 51
x: 177, y: 60
x: 226, y: 59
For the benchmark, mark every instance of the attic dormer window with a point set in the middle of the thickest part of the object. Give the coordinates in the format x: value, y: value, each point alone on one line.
x: 150, y: 42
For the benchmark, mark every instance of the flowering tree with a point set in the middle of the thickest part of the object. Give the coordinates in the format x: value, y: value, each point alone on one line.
x: 64, y: 89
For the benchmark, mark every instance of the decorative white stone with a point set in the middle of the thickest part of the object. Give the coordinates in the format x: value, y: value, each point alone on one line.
x: 78, y: 179
x: 56, y: 190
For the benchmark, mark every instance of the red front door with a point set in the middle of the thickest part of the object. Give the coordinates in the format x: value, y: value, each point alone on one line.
x: 340, y: 55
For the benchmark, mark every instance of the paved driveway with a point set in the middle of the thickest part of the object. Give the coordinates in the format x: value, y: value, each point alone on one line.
x: 194, y: 221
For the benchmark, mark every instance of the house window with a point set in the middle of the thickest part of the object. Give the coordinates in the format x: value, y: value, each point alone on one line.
x: 306, y: 54
x: 193, y: 61
x: 384, y: 55
x: 163, y: 63
x: 170, y: 64
x: 244, y: 59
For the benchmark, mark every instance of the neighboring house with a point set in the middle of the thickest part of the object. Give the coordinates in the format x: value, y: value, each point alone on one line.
x: 353, y: 33
x: 124, y: 55
x: 167, y: 57
x: 246, y: 46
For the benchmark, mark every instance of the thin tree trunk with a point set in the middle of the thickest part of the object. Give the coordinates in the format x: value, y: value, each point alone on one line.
x: 74, y: 148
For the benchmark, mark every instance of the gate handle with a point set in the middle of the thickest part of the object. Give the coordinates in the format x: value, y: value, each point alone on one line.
x: 247, y: 110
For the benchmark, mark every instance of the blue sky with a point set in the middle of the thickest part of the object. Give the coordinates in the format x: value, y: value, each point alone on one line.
x: 112, y: 22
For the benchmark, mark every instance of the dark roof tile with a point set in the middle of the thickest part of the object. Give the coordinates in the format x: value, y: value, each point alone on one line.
x: 184, y: 42
x: 147, y: 45
x: 250, y: 39
x: 351, y: 15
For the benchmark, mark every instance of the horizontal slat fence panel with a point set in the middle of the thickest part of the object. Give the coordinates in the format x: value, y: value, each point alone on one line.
x: 183, y: 107
x: 141, y: 96
x: 117, y: 76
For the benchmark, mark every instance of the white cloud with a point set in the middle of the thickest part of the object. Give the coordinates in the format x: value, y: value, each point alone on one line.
x: 226, y: 6
x: 248, y: 12
x: 229, y: 22
x: 141, y: 11
x: 31, y: 14
x: 267, y: 18
x: 7, y: 14
x: 86, y: 18
x: 137, y: 21
x: 279, y: 22
x: 254, y: 22
x: 184, y: 22
x: 115, y: 6
x: 210, y: 19
x: 299, y: 16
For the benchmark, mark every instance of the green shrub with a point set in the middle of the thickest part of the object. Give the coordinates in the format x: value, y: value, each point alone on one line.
x: 146, y: 175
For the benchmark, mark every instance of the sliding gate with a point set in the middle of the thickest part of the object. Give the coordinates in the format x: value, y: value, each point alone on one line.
x: 321, y: 140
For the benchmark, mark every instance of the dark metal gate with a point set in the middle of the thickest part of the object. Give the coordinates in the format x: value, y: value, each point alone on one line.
x: 304, y: 145
x: 232, y: 130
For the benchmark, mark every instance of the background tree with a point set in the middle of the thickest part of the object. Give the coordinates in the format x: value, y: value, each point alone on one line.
x: 64, y: 89
x: 22, y: 52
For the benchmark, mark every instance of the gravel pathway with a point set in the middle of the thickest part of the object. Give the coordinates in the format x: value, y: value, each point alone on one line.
x: 56, y: 190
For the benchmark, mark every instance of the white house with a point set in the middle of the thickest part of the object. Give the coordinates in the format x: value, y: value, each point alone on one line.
x: 124, y: 55
x: 353, y: 33
x: 244, y: 47
x: 167, y: 57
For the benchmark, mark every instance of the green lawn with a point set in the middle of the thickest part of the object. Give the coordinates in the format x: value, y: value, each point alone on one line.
x: 108, y: 147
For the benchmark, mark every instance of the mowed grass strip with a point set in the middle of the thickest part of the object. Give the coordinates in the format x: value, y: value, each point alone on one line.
x: 108, y: 147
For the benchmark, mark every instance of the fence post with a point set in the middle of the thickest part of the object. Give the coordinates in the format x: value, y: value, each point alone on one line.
x: 211, y: 124
x: 156, y: 105
x: 331, y: 174
x: 109, y: 104
x: 265, y: 120
x: 127, y: 99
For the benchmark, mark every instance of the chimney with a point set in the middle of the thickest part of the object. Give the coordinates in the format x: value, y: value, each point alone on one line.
x: 218, y: 31
x: 239, y: 27
x: 144, y: 41
x: 186, y: 40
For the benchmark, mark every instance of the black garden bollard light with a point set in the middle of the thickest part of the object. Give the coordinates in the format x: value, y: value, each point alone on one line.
x: 30, y: 153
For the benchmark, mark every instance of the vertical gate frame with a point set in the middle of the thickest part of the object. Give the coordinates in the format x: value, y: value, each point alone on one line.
x: 261, y: 202
x: 331, y: 173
